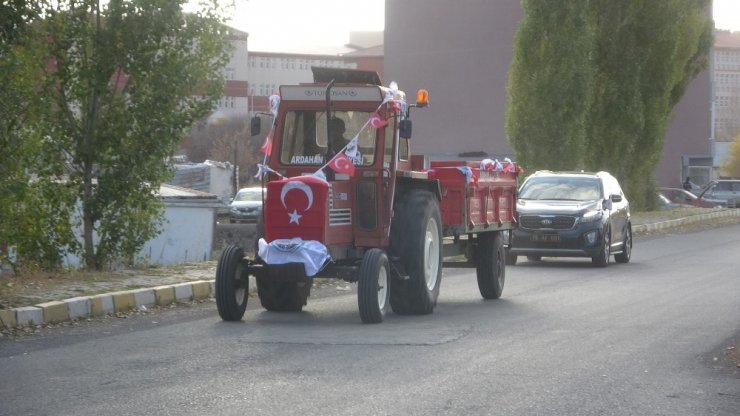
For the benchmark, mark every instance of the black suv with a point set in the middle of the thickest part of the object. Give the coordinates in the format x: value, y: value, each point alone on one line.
x: 571, y: 214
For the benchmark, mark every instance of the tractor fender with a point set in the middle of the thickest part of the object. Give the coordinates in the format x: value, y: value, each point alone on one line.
x: 406, y: 185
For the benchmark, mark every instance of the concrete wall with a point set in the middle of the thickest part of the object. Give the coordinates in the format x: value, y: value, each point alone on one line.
x: 187, y: 236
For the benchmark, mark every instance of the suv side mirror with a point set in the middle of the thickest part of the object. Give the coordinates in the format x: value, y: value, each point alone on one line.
x: 607, y: 204
x: 255, y: 125
x: 404, y: 128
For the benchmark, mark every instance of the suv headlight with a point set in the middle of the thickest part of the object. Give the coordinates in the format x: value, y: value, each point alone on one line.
x: 591, y: 216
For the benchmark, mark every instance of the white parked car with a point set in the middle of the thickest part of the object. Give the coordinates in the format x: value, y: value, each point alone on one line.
x: 246, y: 205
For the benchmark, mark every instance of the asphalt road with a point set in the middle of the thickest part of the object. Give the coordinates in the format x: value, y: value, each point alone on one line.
x: 565, y: 339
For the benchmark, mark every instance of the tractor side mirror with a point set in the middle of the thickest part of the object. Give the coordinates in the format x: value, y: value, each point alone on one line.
x: 255, y: 126
x: 404, y: 129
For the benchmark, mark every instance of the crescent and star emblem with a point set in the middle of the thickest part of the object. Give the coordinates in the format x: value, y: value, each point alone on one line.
x: 341, y: 163
x: 295, y: 216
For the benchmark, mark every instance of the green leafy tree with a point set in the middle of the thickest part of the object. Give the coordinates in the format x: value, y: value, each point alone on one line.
x: 618, y: 68
x: 549, y: 85
x: 35, y: 204
x: 646, y: 54
x: 130, y: 78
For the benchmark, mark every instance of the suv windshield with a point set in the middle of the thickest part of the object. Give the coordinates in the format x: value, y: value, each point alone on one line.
x: 304, y: 140
x: 561, y: 188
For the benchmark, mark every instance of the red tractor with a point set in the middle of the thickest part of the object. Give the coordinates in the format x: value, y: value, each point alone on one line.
x: 346, y: 199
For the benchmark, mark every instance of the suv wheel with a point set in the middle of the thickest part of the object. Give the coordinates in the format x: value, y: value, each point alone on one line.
x: 602, y: 259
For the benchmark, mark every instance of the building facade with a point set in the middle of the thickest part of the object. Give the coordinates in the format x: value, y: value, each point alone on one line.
x: 234, y: 103
x: 269, y: 70
x: 461, y: 54
x: 726, y: 86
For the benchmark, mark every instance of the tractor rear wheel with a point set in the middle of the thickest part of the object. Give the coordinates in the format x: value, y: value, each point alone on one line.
x: 490, y: 258
x: 372, y: 289
x: 232, y: 284
x: 416, y: 240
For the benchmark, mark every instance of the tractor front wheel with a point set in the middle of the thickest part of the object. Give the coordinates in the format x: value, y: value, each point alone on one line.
x: 232, y: 284
x: 372, y: 290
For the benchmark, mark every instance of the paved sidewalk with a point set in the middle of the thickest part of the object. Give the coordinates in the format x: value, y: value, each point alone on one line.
x: 84, y: 307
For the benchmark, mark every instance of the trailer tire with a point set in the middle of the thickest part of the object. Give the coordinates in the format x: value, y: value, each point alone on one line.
x: 416, y: 240
x: 490, y: 265
x: 232, y: 284
x: 372, y: 288
x: 282, y: 296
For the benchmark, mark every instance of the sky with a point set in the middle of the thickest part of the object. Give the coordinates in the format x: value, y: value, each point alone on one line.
x: 279, y: 25
x: 727, y: 14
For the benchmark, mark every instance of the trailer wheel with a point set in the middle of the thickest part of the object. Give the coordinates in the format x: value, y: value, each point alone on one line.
x: 232, y: 284
x: 416, y: 240
x: 372, y: 290
x: 282, y: 296
x: 602, y: 259
x: 490, y: 265
x: 624, y: 256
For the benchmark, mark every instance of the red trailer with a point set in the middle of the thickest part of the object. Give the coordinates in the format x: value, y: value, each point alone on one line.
x: 370, y: 212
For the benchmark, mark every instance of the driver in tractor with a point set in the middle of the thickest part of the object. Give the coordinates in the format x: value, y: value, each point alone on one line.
x: 337, y: 141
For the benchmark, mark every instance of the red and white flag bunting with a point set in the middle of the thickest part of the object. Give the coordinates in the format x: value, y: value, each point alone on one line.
x: 341, y: 163
x: 267, y: 146
x: 377, y: 121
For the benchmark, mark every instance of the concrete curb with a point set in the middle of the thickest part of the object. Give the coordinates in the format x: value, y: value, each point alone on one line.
x: 664, y: 225
x: 84, y: 307
x: 123, y: 301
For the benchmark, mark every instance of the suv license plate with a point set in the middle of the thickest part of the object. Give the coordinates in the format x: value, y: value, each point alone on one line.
x: 545, y: 238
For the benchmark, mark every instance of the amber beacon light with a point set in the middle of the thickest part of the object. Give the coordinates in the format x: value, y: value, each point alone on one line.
x: 422, y: 98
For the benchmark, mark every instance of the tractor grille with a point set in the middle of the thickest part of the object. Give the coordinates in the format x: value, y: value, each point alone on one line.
x: 537, y: 222
x: 340, y: 216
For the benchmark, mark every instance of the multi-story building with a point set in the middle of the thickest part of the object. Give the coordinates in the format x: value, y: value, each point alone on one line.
x: 269, y: 70
x: 462, y: 55
x: 234, y: 103
x: 726, y: 86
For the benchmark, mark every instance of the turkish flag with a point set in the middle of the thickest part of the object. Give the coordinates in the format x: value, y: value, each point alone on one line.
x: 341, y: 163
x: 267, y: 146
x: 377, y: 121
